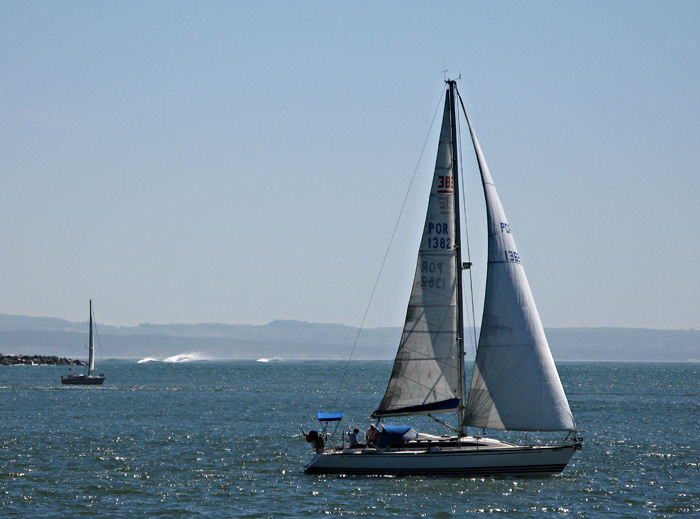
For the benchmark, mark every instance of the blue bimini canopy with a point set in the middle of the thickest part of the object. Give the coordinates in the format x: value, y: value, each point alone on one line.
x: 330, y: 417
x: 395, y: 435
x: 397, y: 429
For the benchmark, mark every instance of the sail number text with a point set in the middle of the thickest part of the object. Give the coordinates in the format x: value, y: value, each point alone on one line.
x: 438, y: 243
x: 445, y: 182
x: 512, y: 256
x: 442, y: 241
x: 431, y: 275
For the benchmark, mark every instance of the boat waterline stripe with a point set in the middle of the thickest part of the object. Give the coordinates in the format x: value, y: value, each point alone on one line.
x: 457, y: 471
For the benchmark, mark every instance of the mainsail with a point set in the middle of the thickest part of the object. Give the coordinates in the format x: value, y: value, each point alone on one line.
x: 515, y: 384
x: 426, y: 374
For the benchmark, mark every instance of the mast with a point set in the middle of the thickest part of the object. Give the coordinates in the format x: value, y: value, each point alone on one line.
x: 91, y: 346
x: 461, y: 411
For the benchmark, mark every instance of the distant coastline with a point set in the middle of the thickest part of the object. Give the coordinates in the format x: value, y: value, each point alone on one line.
x: 38, y: 360
x: 297, y: 340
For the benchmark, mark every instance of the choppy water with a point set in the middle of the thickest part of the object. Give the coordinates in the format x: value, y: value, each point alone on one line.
x: 221, y: 439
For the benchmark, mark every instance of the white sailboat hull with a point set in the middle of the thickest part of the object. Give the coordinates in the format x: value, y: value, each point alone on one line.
x: 514, y: 386
x: 458, y: 461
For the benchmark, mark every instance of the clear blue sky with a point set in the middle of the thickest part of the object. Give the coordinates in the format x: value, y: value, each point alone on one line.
x: 246, y: 161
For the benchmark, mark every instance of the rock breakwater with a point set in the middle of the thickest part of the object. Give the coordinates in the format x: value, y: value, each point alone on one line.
x: 38, y: 360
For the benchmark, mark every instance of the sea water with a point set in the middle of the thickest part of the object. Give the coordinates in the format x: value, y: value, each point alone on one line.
x: 223, y: 439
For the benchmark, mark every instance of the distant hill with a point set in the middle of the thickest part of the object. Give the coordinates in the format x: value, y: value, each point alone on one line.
x: 304, y: 340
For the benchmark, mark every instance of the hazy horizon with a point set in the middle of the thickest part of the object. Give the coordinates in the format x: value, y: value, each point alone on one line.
x: 303, y: 321
x: 298, y: 339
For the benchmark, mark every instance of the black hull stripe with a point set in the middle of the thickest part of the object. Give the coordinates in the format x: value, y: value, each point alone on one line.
x: 475, y: 471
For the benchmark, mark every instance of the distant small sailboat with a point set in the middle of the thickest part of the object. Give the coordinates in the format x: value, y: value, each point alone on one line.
x: 515, y: 385
x: 87, y: 379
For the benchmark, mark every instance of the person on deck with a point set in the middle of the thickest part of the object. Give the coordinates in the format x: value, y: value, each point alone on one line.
x: 372, y: 435
x: 354, y: 442
x: 316, y: 439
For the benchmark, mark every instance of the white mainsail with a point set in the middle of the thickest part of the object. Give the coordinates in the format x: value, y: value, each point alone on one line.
x: 426, y: 374
x: 515, y: 384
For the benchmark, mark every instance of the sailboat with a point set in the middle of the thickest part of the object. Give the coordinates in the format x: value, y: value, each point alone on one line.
x: 514, y: 385
x: 87, y: 379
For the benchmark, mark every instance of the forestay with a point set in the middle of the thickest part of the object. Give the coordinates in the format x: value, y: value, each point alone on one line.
x: 515, y: 384
x: 426, y: 371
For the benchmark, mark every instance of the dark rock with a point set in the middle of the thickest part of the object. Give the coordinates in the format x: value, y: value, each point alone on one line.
x: 38, y: 360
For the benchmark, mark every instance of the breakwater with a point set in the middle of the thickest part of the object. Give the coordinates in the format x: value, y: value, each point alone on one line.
x: 38, y: 360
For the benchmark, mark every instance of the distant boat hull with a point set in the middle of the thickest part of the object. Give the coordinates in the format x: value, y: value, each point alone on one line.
x: 463, y: 460
x: 84, y: 380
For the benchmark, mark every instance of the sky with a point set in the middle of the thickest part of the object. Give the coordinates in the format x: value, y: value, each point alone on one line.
x: 241, y: 162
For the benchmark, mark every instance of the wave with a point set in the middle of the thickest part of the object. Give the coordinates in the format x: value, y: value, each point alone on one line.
x: 180, y: 357
x: 186, y: 357
x: 274, y: 359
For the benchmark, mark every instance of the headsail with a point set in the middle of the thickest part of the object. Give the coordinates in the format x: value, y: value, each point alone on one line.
x: 515, y: 384
x: 426, y: 374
